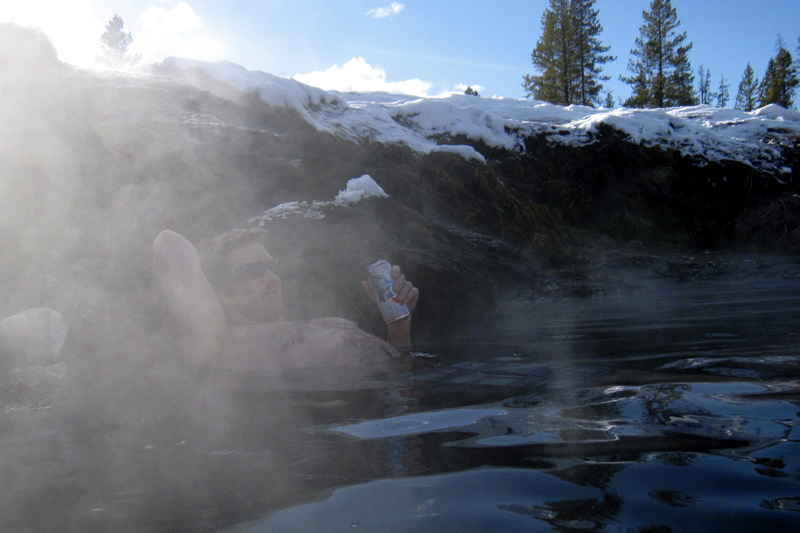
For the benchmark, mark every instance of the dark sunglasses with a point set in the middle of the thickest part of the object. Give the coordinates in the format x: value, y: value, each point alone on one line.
x: 253, y: 270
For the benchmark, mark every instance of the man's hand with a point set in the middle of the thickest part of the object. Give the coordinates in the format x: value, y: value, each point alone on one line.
x: 406, y: 292
x: 399, y: 332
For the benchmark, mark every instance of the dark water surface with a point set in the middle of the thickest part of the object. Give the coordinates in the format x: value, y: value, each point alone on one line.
x: 659, y: 406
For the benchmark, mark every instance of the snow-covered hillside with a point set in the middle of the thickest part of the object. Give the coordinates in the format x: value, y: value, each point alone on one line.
x: 429, y: 124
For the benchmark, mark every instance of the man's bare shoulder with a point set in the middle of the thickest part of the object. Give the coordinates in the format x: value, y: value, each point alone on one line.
x: 316, y: 343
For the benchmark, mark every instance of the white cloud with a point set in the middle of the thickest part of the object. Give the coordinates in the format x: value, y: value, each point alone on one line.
x: 176, y: 32
x: 358, y: 75
x: 461, y: 87
x: 179, y: 19
x: 381, y: 12
x: 201, y: 46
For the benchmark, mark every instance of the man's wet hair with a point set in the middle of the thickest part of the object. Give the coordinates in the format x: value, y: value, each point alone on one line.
x: 214, y: 251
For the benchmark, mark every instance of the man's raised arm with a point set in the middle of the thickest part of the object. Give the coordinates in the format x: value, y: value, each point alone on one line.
x: 190, y: 297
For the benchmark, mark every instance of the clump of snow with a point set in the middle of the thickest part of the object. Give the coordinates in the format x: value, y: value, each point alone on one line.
x: 357, y: 189
x: 433, y: 124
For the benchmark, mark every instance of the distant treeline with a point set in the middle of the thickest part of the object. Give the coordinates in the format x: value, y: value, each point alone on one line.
x: 569, y: 57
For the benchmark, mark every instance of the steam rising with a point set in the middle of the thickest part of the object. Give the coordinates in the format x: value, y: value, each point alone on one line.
x: 84, y: 188
x: 93, y: 167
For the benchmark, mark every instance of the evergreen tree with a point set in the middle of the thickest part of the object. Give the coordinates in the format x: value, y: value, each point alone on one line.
x: 590, y: 53
x: 680, y: 89
x: 723, y: 95
x: 568, y: 55
x: 470, y: 91
x: 608, y: 102
x: 661, y: 72
x: 788, y: 79
x: 115, y: 45
x: 746, y: 96
x: 780, y: 80
x: 553, y: 57
x: 640, y: 96
x: 767, y: 83
x: 704, y: 86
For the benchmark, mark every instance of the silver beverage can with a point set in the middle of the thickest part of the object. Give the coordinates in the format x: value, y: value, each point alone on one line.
x: 380, y: 276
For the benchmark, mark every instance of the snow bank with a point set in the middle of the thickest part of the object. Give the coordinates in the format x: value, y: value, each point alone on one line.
x: 431, y: 124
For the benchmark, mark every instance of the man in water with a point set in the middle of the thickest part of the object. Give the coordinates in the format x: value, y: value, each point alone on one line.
x: 228, y: 305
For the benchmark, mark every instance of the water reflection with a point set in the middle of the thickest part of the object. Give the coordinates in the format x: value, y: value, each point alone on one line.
x: 673, y: 412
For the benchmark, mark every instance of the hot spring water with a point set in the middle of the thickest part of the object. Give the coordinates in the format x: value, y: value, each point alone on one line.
x: 659, y: 406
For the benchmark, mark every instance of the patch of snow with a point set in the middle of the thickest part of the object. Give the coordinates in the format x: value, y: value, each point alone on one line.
x: 283, y: 210
x: 435, y: 124
x: 357, y: 189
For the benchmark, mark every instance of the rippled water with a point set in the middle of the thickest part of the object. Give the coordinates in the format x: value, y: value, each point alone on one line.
x: 662, y: 406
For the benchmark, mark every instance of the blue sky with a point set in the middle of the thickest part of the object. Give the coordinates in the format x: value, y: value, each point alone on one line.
x: 425, y: 47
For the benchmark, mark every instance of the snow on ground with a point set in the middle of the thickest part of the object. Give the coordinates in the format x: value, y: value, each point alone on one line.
x: 359, y: 188
x: 356, y: 190
x: 427, y: 124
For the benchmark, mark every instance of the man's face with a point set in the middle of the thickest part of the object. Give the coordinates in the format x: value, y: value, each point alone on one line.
x: 253, y: 293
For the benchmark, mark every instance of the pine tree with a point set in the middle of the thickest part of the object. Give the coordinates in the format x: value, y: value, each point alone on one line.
x: 471, y: 92
x: 553, y: 57
x: 568, y: 55
x: 661, y: 72
x: 723, y: 95
x: 680, y: 89
x: 590, y: 53
x: 746, y: 96
x: 115, y: 45
x: 704, y: 86
x: 640, y: 96
x: 767, y: 82
x: 780, y: 80
x: 788, y: 79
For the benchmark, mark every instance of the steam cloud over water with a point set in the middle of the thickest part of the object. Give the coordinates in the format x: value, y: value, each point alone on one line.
x: 92, y: 167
